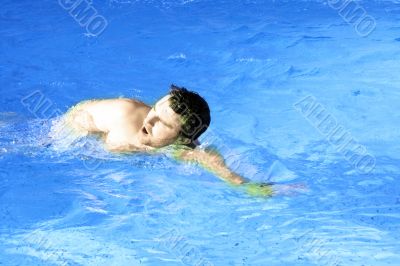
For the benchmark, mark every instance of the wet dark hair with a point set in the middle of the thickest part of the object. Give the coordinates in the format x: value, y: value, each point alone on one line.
x: 194, y: 111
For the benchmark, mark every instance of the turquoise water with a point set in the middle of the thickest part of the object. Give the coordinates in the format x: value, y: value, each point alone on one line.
x: 260, y: 65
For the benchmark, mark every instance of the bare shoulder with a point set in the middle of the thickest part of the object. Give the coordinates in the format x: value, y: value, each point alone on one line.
x: 128, y: 105
x: 103, y: 115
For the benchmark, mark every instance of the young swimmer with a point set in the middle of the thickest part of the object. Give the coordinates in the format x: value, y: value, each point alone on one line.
x: 178, y: 119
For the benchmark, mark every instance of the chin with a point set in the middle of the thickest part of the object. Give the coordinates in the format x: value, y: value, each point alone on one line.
x: 145, y: 140
x: 159, y: 143
x: 150, y: 140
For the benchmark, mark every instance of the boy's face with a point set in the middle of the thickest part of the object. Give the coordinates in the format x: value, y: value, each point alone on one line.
x: 162, y: 125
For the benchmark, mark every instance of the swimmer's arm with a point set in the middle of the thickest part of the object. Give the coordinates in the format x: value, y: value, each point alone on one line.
x: 212, y: 161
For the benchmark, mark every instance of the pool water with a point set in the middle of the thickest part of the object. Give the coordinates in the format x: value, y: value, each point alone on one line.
x: 260, y: 65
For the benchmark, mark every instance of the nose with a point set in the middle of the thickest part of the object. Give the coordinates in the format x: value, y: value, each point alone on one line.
x: 150, y: 120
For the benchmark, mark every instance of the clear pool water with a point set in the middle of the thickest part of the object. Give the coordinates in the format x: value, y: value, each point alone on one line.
x: 252, y: 61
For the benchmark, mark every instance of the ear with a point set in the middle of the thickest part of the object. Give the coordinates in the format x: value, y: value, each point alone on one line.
x: 188, y: 142
x: 184, y: 140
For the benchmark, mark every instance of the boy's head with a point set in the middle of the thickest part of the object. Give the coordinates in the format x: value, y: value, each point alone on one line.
x: 181, y: 115
x: 193, y: 110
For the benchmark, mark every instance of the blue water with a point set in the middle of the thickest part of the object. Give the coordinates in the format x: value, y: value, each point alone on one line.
x: 252, y: 61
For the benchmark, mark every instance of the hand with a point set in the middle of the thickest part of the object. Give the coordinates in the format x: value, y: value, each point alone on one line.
x: 270, y: 189
x: 259, y: 189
